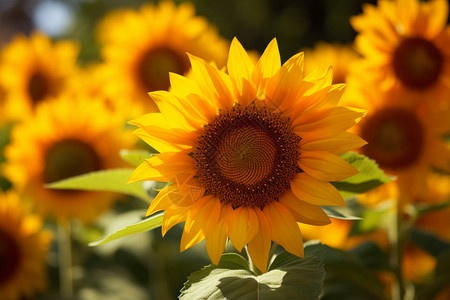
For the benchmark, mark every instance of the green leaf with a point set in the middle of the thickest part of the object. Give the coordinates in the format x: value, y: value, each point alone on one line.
x: 147, y: 224
x: 429, y: 242
x: 114, y: 180
x: 369, y: 177
x: 351, y: 212
x: 372, y: 219
x: 289, y: 277
x: 424, y: 209
x: 135, y: 157
x: 346, y: 276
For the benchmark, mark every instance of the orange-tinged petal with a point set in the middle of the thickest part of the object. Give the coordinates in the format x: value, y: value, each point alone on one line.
x: 160, y: 202
x: 203, y: 215
x: 146, y: 172
x: 304, y: 212
x: 339, y: 143
x: 285, y: 230
x: 316, y: 192
x: 325, y: 166
x: 259, y: 246
x: 216, y: 239
x: 243, y: 226
x: 172, y: 216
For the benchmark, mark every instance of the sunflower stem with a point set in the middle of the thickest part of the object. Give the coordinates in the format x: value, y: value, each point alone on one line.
x: 396, y: 237
x: 65, y: 260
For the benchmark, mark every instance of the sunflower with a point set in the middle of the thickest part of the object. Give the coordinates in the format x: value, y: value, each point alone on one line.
x: 405, y: 43
x: 324, y: 55
x: 249, y: 153
x: 405, y: 140
x: 68, y: 136
x: 141, y: 47
x: 23, y: 248
x: 33, y: 69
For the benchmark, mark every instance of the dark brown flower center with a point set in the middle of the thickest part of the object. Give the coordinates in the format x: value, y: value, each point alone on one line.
x: 417, y: 63
x: 38, y: 87
x: 394, y: 136
x: 247, y: 156
x: 69, y: 158
x: 10, y: 256
x: 155, y: 65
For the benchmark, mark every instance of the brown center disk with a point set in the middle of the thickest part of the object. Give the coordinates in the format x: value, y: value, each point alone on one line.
x: 38, y: 87
x: 417, y: 63
x: 10, y: 256
x: 247, y: 156
x: 69, y: 158
x: 394, y: 136
x: 155, y: 65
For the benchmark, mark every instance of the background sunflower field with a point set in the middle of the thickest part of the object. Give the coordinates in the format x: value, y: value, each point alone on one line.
x: 74, y: 73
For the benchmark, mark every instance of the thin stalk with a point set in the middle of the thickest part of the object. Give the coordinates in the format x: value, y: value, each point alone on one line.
x: 65, y: 260
x: 396, y: 237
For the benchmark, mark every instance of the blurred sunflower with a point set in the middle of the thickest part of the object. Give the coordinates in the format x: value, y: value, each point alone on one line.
x: 140, y: 48
x: 249, y: 153
x: 33, y: 69
x: 404, y: 140
x: 68, y: 136
x: 405, y: 43
x: 324, y: 55
x: 23, y: 248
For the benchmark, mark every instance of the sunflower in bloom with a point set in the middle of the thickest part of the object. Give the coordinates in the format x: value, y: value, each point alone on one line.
x: 405, y: 140
x: 249, y: 153
x: 23, y: 249
x: 33, y: 69
x: 68, y: 136
x: 141, y: 47
x: 324, y: 55
x: 405, y: 43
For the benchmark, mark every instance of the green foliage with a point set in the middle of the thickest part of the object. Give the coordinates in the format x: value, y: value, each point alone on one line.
x: 114, y: 180
x: 150, y: 223
x: 369, y: 177
x: 346, y: 276
x: 289, y: 277
x: 135, y: 157
x: 351, y: 212
x: 441, y: 278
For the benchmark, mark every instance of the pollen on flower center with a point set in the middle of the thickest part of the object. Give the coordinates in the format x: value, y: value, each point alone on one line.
x: 9, y: 256
x: 69, y: 158
x: 155, y: 65
x: 394, y: 138
x: 38, y: 87
x: 417, y: 63
x: 247, y: 156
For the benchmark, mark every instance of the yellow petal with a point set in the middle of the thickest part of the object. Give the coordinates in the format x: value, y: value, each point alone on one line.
x: 172, y: 216
x: 325, y: 166
x: 267, y: 66
x: 160, y: 202
x: 304, y: 212
x: 315, y: 192
x: 285, y: 230
x: 243, y: 226
x: 146, y: 172
x: 240, y: 68
x: 338, y: 143
x: 259, y: 246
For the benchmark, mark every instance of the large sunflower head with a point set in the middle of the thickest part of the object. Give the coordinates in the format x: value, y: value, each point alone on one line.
x: 324, y: 55
x: 142, y: 47
x: 405, y: 43
x: 23, y: 248
x: 33, y: 69
x: 249, y: 153
x: 68, y: 136
x: 405, y: 140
